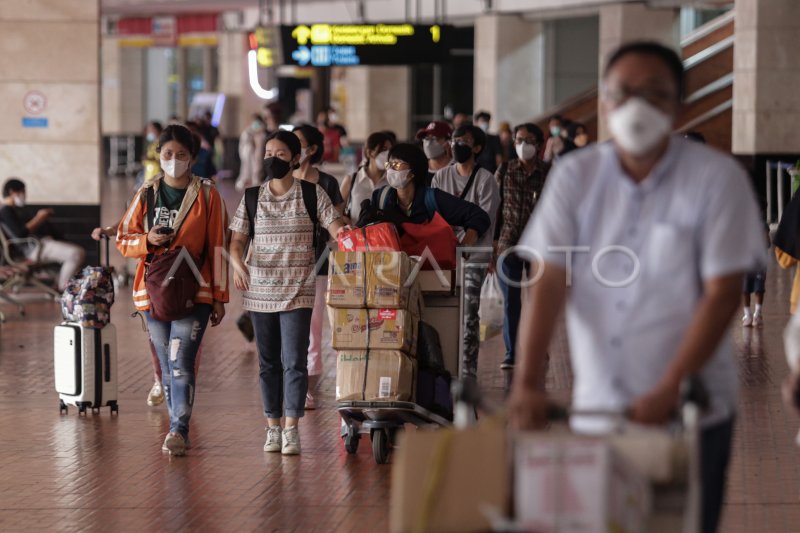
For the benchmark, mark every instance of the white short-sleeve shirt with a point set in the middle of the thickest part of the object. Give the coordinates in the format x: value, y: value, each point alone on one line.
x: 644, y: 252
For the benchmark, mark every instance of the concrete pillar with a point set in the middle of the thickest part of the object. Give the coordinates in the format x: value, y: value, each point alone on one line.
x: 209, y: 83
x: 509, y: 68
x: 377, y: 98
x: 621, y: 23
x: 233, y: 80
x: 182, y: 68
x: 50, y: 86
x: 766, y: 103
x: 124, y: 88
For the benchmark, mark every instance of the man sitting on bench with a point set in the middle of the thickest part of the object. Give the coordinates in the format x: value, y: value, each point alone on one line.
x: 20, y: 223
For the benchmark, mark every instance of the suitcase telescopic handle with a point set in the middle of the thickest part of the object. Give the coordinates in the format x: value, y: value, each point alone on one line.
x: 100, y: 250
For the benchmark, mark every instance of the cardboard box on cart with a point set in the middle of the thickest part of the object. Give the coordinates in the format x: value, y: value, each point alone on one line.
x: 389, y: 376
x: 377, y: 280
x: 455, y: 474
x: 573, y: 483
x: 389, y: 282
x: 389, y: 329
x: 346, y: 280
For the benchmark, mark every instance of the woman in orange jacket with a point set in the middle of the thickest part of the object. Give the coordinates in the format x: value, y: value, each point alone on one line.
x: 186, y: 212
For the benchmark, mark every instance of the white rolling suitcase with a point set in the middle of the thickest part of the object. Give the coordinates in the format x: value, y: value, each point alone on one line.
x: 85, y: 361
x: 85, y: 364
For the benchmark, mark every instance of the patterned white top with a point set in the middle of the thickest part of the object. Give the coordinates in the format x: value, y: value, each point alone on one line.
x: 281, y: 261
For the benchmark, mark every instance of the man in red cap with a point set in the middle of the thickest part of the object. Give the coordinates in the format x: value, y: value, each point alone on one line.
x: 435, y: 139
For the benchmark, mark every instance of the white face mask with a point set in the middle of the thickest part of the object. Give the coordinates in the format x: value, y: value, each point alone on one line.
x: 19, y: 201
x: 526, y: 151
x: 398, y: 178
x: 174, y: 168
x: 381, y: 159
x: 304, y: 155
x: 637, y: 126
x: 433, y: 149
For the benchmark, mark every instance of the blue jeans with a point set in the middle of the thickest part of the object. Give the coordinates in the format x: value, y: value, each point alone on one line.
x: 513, y: 267
x: 282, y: 342
x: 176, y: 344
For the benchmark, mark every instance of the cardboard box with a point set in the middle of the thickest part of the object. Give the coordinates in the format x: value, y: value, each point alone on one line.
x: 474, y: 476
x: 378, y: 279
x: 389, y: 376
x: 388, y: 280
x: 577, y: 484
x: 389, y: 329
x: 346, y: 280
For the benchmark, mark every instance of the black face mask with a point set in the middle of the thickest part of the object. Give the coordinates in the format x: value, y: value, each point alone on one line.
x: 462, y: 152
x: 276, y: 167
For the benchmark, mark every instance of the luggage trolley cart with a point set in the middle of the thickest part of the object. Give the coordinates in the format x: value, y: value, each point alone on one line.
x: 676, y: 505
x: 444, y: 309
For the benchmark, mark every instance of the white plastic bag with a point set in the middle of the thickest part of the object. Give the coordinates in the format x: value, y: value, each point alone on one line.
x: 491, y: 312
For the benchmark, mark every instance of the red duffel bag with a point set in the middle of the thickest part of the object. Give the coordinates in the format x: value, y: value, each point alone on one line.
x: 381, y: 237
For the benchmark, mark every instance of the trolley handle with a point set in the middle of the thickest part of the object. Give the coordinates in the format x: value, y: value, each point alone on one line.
x: 693, y: 391
x: 105, y: 238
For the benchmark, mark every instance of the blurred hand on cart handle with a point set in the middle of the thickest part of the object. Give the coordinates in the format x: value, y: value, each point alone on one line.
x: 691, y: 390
x: 528, y: 409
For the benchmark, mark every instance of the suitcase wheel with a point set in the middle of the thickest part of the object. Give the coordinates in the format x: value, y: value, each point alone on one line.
x: 62, y: 408
x: 114, y: 407
x: 82, y: 409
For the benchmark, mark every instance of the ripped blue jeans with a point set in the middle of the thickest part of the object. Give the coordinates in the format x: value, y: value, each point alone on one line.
x: 176, y: 344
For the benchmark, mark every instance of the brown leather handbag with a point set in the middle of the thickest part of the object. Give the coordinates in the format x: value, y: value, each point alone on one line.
x: 172, y: 279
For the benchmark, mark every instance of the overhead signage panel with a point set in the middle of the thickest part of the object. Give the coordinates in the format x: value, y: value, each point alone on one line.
x: 325, y: 45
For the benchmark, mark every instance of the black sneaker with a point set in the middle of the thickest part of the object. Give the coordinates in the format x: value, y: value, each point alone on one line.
x: 245, y: 325
x: 507, y: 365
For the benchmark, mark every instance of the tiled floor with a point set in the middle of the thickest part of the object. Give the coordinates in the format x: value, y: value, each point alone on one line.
x: 71, y: 473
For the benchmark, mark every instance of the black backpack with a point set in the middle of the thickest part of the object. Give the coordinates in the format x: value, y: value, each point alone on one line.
x: 309, y: 191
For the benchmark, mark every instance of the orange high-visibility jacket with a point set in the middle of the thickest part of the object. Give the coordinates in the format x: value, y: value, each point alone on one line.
x: 201, y: 222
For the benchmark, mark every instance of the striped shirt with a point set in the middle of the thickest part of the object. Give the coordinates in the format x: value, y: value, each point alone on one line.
x: 282, y: 259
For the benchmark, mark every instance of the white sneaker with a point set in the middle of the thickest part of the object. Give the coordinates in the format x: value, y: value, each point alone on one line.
x: 174, y: 444
x: 273, y: 443
x: 156, y: 395
x: 291, y: 441
x: 758, y: 320
x: 747, y: 321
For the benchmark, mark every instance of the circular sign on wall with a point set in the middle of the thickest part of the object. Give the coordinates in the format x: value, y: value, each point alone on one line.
x: 34, y: 102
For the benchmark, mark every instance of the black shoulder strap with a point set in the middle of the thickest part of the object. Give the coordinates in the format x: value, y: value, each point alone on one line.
x: 309, y: 191
x: 384, y: 199
x: 470, y: 182
x: 310, y: 199
x: 251, y: 205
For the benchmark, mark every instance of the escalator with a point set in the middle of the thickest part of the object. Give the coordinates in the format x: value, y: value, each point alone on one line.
x: 707, y: 56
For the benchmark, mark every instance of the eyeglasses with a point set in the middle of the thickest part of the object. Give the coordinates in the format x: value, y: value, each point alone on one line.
x: 619, y: 95
x: 396, y: 165
x: 529, y: 140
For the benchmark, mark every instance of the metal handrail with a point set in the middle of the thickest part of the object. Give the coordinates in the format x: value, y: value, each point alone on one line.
x: 708, y: 28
